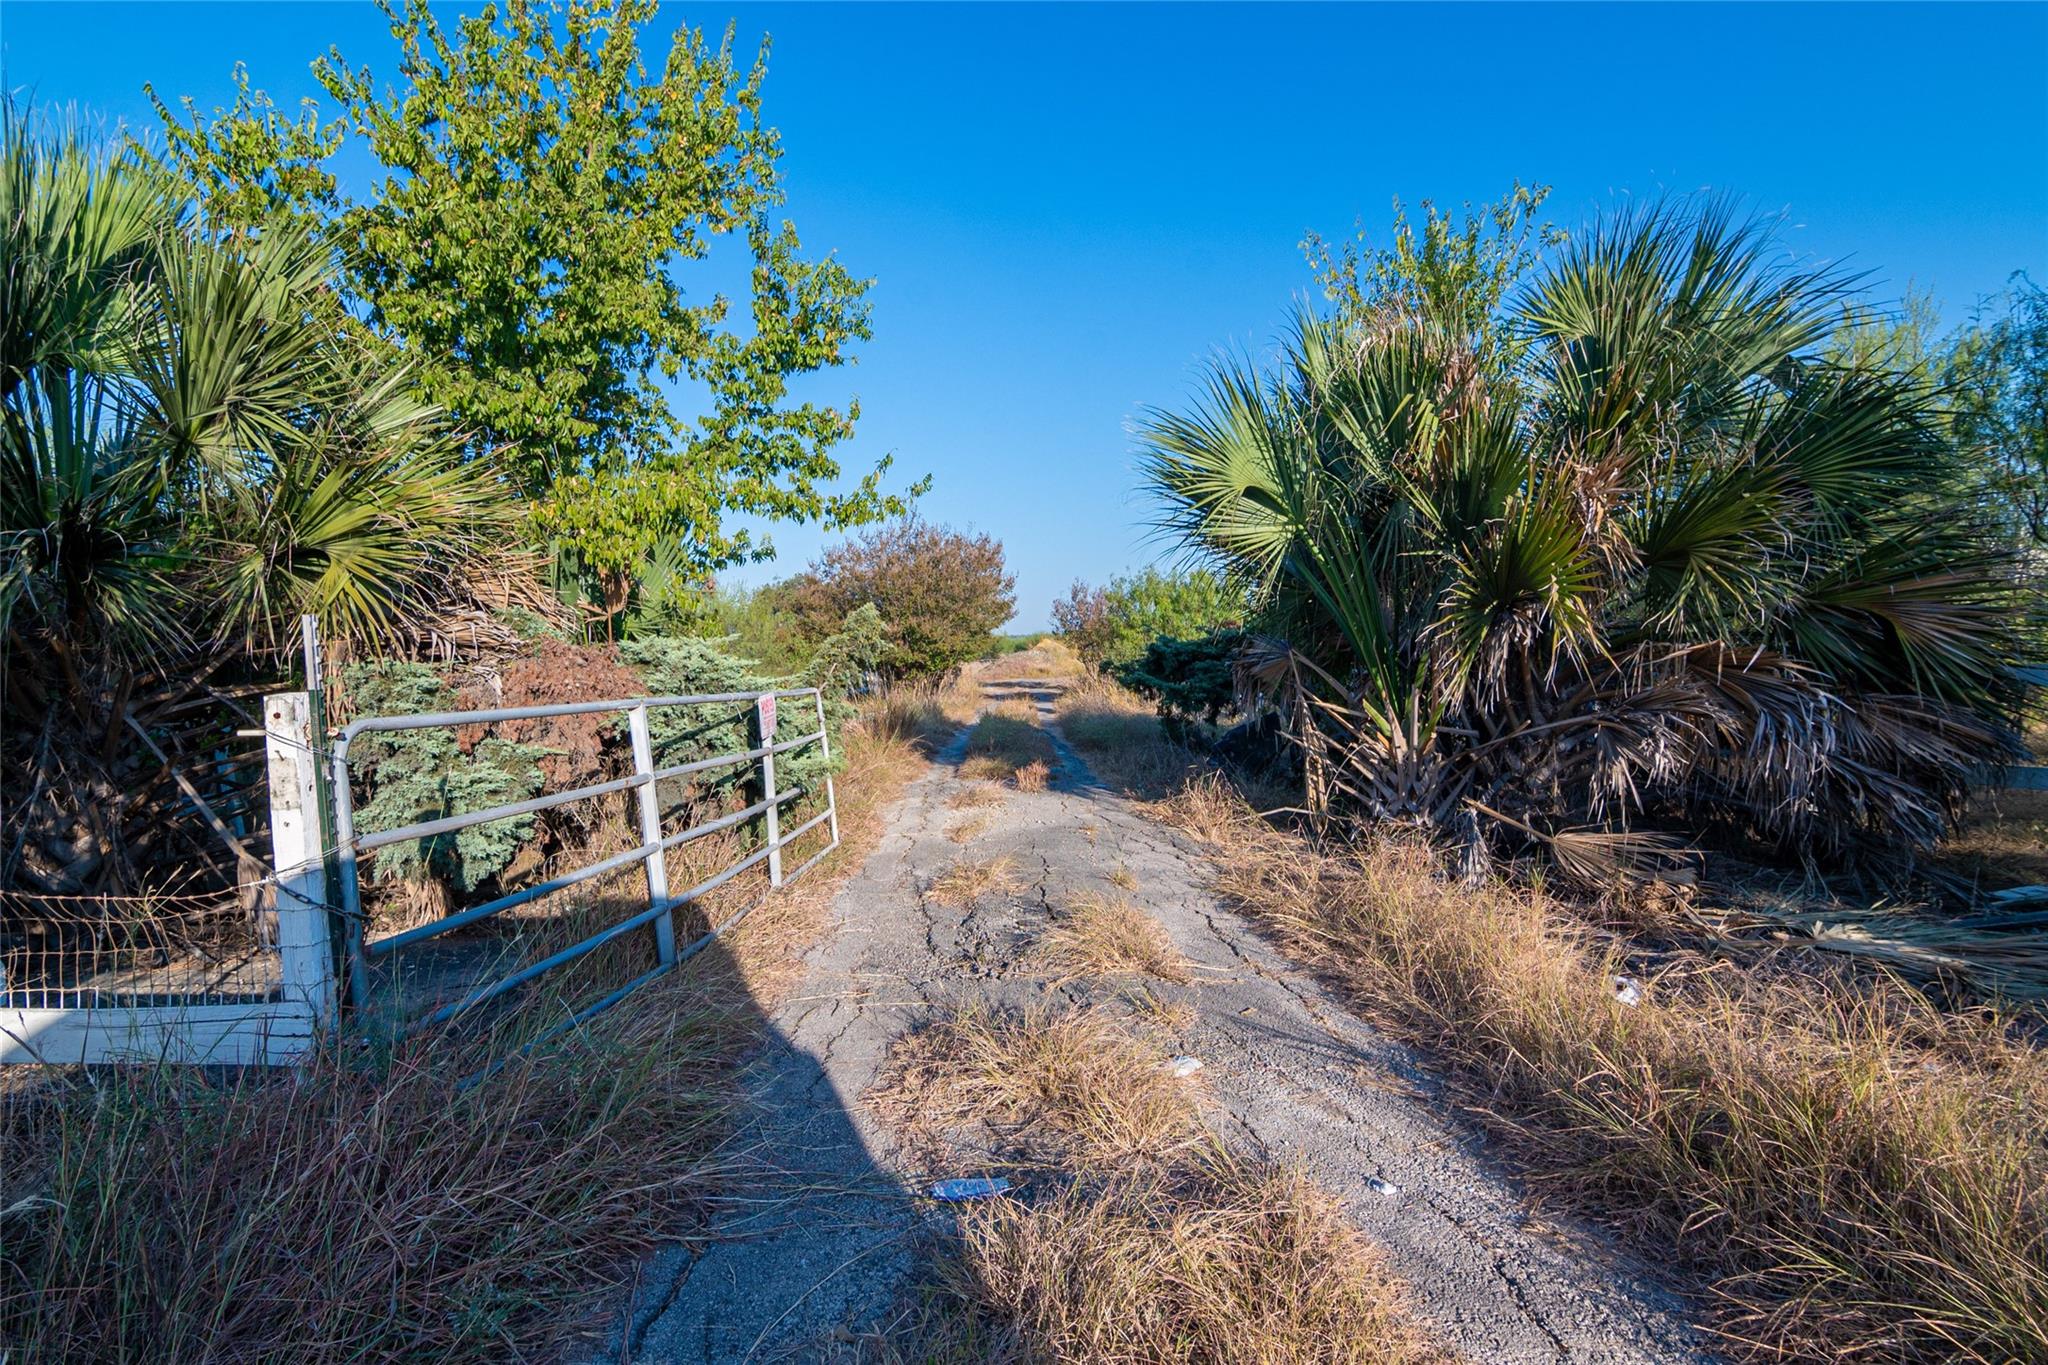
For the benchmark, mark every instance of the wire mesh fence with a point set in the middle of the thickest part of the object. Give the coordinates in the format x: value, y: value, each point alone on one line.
x: 85, y: 952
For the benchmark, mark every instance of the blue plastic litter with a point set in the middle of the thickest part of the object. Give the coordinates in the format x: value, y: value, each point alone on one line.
x: 970, y: 1187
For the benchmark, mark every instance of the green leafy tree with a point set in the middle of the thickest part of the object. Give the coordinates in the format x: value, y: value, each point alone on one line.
x: 1454, y: 272
x: 1905, y: 340
x: 541, y: 190
x: 1112, y: 626
x: 1997, y: 378
x: 941, y: 594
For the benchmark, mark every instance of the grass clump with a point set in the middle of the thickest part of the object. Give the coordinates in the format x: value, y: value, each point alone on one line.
x: 1856, y: 1173
x: 1211, y: 1261
x: 1153, y: 1244
x: 341, y: 1214
x: 970, y: 829
x: 1087, y: 1089
x: 1099, y: 936
x: 968, y: 881
x: 1003, y: 745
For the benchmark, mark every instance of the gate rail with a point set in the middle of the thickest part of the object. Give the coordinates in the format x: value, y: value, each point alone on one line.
x: 650, y: 852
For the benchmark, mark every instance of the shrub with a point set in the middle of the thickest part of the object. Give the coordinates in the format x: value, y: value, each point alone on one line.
x: 415, y: 775
x: 940, y: 592
x: 1189, y: 680
x: 681, y: 666
x: 1112, y: 626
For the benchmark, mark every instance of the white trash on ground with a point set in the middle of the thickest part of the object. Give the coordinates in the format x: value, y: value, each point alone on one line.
x: 1380, y: 1186
x: 970, y: 1187
x: 1184, y: 1067
x: 1628, y: 990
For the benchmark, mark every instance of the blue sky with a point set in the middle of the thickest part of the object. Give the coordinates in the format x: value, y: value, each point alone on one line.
x: 1067, y: 209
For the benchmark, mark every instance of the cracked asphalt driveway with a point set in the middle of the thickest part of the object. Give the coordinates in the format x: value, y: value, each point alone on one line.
x: 822, y: 1239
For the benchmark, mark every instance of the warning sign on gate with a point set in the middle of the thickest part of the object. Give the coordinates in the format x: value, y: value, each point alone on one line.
x: 765, y: 708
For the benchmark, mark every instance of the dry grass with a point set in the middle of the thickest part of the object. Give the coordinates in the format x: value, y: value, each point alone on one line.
x: 1160, y: 1247
x: 970, y: 829
x: 1122, y: 878
x: 1003, y: 746
x: 916, y: 714
x: 1051, y: 657
x: 1088, y: 1091
x: 980, y: 794
x: 2003, y: 841
x: 1032, y: 777
x: 1209, y: 1262
x: 349, y: 1211
x: 967, y: 882
x: 350, y: 1214
x: 1097, y: 936
x: 1169, y: 1015
x: 1119, y: 735
x: 1855, y: 1172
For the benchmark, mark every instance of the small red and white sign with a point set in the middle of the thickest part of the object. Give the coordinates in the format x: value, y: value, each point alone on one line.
x: 765, y: 710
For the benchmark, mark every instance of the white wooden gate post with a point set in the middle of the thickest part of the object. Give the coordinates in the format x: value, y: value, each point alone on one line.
x: 305, y: 952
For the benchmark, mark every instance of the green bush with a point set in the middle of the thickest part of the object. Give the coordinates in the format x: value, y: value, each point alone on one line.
x: 1190, y: 680
x: 416, y: 775
x: 941, y: 594
x: 1112, y: 626
x: 682, y: 666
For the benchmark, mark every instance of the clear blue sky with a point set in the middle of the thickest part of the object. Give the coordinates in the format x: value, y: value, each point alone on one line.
x: 1067, y: 209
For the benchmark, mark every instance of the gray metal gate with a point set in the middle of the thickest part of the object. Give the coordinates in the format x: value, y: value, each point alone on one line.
x: 651, y: 851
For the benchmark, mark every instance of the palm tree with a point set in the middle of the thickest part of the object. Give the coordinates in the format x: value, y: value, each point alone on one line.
x: 194, y: 450
x: 1662, y: 566
x: 184, y: 420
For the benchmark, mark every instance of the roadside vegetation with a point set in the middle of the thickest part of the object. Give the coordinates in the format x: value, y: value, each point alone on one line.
x: 1836, y: 1163
x: 1150, y: 1240
x: 234, y: 398
x: 1468, y: 758
x: 1110, y: 626
x: 458, y: 1199
x: 1619, y: 564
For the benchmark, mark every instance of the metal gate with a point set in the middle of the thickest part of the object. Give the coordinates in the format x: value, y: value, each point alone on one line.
x: 651, y: 851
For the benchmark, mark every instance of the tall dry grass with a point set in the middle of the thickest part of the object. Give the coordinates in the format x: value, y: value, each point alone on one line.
x: 1139, y: 1237
x: 350, y: 1214
x: 1856, y: 1173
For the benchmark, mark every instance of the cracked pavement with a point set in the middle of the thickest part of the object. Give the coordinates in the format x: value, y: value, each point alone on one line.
x: 823, y: 1238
